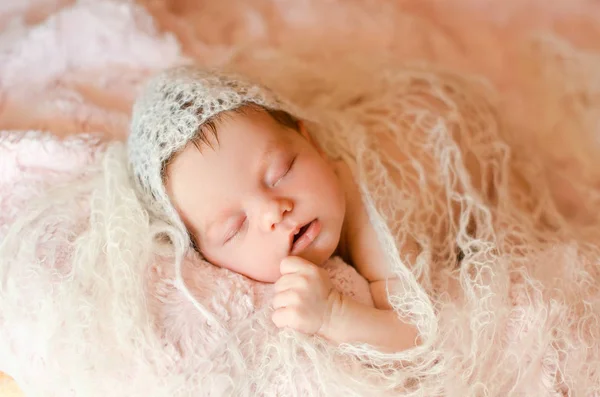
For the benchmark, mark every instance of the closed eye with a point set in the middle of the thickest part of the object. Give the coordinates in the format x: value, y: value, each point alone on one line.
x: 235, y: 230
x: 287, y: 171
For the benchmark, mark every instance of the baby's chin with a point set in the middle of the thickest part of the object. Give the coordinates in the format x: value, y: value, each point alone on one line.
x: 273, y: 274
x: 270, y: 273
x: 268, y: 278
x: 319, y: 259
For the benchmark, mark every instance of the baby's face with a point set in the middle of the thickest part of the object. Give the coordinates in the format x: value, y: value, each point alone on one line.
x: 260, y: 193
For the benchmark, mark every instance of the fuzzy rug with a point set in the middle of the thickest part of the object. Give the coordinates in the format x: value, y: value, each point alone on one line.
x: 513, y: 87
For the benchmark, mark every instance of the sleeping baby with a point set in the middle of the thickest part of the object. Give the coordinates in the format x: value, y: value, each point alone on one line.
x: 220, y: 160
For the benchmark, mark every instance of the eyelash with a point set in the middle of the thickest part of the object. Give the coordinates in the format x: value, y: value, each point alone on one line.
x: 286, y: 172
x: 236, y: 232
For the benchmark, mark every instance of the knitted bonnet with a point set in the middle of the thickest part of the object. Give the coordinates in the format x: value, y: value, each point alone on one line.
x: 167, y: 115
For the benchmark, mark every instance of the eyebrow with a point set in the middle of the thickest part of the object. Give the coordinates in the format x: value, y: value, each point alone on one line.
x: 272, y: 147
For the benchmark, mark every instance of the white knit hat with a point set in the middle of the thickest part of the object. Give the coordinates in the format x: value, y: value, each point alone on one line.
x: 167, y: 115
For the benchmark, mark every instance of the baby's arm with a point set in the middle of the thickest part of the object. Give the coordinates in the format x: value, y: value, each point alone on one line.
x: 379, y: 326
x: 353, y: 322
x: 305, y: 300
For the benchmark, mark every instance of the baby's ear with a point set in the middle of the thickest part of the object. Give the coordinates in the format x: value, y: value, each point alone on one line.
x: 304, y: 132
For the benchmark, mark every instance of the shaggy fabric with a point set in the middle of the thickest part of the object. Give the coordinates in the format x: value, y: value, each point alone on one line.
x: 80, y: 260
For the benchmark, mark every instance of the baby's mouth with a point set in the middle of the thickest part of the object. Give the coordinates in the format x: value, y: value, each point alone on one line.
x: 301, y: 232
x: 305, y: 236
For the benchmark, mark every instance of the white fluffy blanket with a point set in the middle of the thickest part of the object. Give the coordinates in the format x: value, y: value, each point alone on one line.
x: 87, y: 302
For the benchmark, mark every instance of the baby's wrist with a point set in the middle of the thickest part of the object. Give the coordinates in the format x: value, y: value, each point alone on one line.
x: 332, y: 315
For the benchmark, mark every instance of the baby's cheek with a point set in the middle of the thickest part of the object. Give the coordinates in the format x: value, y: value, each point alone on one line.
x: 323, y: 183
x: 267, y: 273
x: 262, y: 265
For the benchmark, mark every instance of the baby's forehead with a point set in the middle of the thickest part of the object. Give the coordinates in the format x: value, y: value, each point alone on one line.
x: 239, y: 136
x: 251, y: 126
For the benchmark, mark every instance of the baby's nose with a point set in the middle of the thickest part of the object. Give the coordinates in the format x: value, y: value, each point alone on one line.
x: 275, y: 212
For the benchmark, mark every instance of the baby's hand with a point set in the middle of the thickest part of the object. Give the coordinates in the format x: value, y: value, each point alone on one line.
x: 304, y: 296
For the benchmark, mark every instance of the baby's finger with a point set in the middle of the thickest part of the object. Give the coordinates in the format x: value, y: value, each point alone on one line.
x: 287, y: 317
x: 294, y: 264
x: 291, y: 281
x: 286, y: 299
